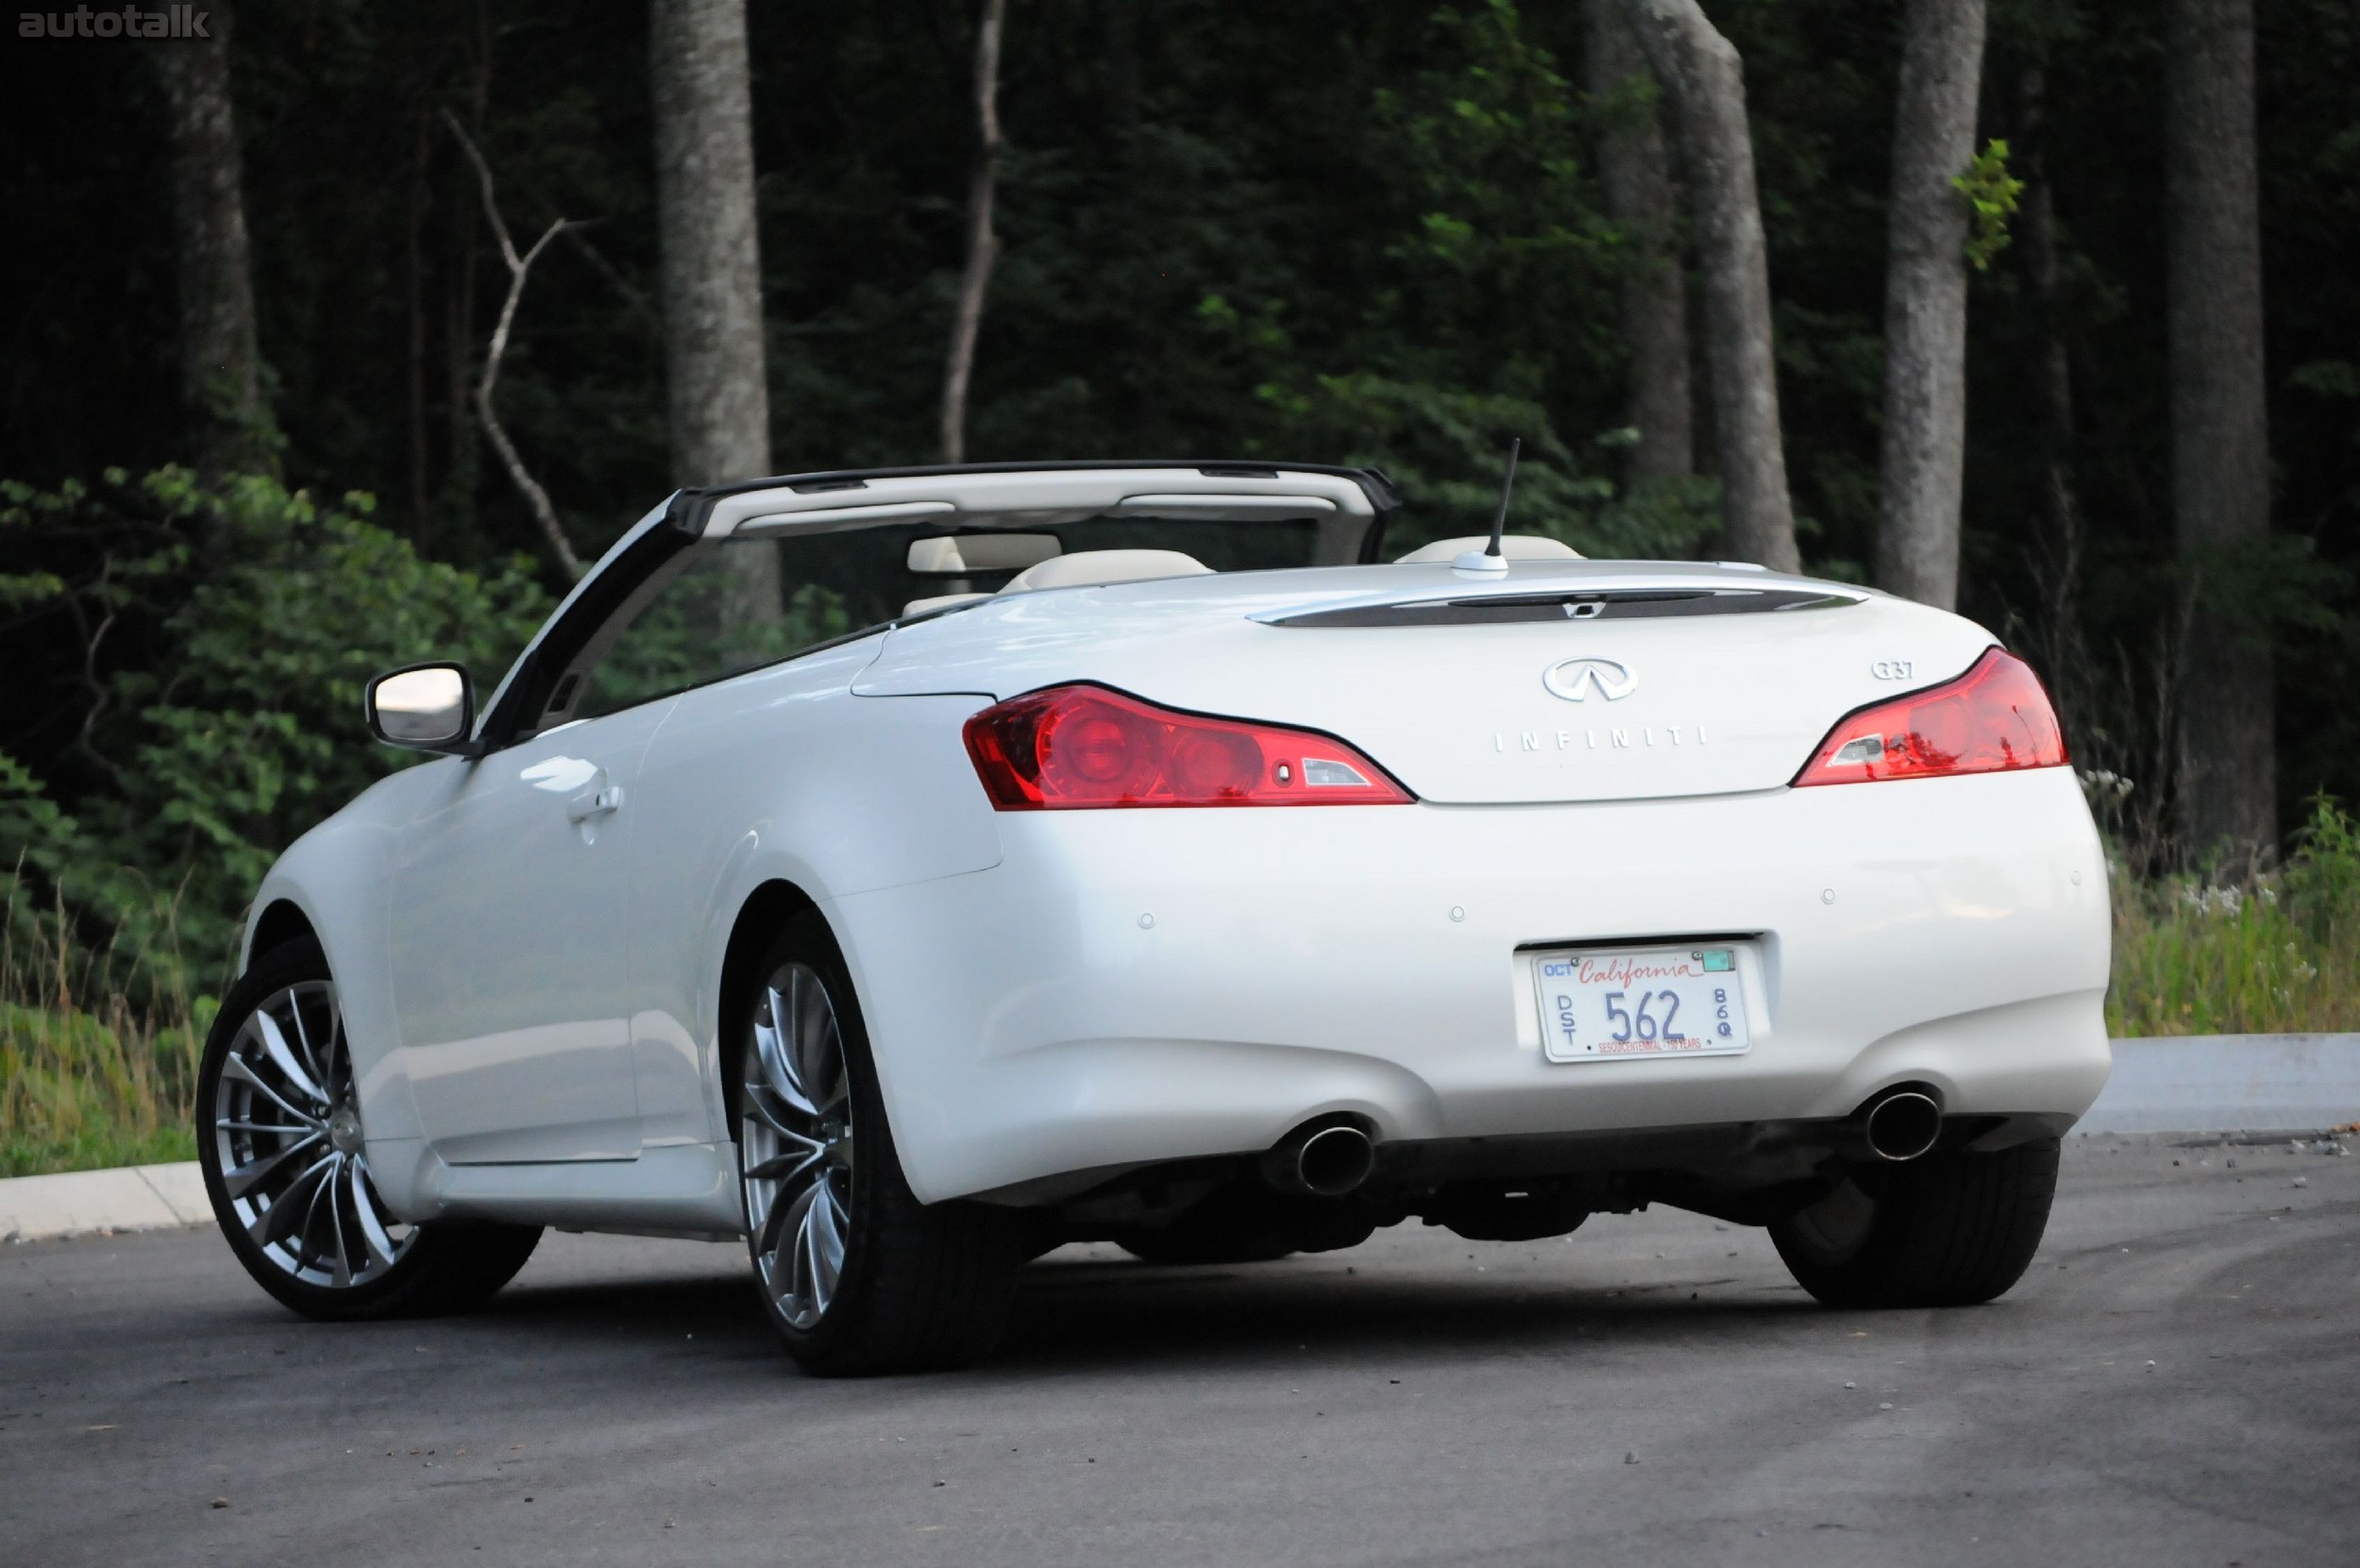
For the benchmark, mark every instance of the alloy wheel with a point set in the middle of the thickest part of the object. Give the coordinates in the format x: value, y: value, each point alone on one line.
x: 287, y: 1138
x: 795, y: 1145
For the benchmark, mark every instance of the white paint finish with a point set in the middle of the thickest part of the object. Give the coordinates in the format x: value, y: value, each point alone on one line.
x: 690, y: 1187
x: 830, y: 518
x: 777, y: 775
x: 1058, y: 991
x: 512, y: 976
x: 1314, y: 950
x: 338, y: 876
x: 1036, y: 499
x: 1223, y: 506
x: 2286, y: 1083
x: 674, y: 1079
x: 1462, y: 714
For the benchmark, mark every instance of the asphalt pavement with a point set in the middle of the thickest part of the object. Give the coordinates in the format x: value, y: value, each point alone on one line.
x: 2176, y: 1382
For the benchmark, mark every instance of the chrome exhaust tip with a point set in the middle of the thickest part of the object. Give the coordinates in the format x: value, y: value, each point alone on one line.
x: 1321, y: 1160
x: 1903, y: 1126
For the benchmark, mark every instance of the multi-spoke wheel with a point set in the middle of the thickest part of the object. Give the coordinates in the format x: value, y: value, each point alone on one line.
x: 280, y: 1142
x: 286, y: 1135
x: 855, y: 1274
x: 796, y: 1143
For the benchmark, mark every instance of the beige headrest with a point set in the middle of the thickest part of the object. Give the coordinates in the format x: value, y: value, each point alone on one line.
x: 1098, y: 569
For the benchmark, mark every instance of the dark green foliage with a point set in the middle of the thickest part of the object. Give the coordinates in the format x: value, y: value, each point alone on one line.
x: 1363, y: 231
x: 681, y: 640
x: 254, y: 617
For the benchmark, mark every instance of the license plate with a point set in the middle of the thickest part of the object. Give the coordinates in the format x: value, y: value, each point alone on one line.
x: 1608, y: 1005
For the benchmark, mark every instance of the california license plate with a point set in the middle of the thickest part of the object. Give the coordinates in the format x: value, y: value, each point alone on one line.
x: 1608, y: 1005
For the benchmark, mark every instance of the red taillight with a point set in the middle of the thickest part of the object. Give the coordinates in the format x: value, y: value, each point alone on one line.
x: 1992, y: 719
x: 1077, y: 748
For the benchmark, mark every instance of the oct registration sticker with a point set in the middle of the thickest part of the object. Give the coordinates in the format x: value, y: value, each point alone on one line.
x: 1604, y: 1005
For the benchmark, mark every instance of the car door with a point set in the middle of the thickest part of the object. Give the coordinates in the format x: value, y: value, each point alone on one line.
x: 510, y: 965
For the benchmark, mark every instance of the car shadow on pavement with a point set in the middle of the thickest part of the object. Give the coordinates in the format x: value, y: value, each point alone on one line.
x: 1078, y: 1314
x: 718, y: 1314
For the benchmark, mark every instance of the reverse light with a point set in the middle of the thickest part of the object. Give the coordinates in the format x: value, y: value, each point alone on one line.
x: 1994, y: 719
x: 1083, y: 748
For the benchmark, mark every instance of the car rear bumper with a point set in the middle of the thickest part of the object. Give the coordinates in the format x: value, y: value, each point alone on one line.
x: 1132, y: 986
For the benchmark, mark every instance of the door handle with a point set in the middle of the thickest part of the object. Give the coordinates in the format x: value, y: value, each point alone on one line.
x: 597, y: 803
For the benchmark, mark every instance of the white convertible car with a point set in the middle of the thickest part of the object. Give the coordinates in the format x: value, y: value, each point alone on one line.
x: 908, y: 872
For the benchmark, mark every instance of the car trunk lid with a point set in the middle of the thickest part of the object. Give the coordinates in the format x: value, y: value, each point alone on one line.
x: 1556, y: 685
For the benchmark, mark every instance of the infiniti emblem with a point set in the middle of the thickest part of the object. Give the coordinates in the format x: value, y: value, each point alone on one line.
x: 1574, y: 678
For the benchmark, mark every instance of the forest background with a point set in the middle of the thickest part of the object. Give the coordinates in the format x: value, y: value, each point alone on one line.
x: 1369, y: 231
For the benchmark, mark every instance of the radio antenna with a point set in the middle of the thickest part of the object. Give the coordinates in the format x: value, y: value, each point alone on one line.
x: 1507, y: 488
x: 1493, y: 558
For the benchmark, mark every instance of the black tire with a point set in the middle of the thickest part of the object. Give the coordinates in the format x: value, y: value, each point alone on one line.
x: 1949, y: 1229
x: 918, y: 1287
x: 443, y: 1267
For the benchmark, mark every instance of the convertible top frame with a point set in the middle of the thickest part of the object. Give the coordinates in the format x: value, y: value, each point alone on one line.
x: 844, y: 500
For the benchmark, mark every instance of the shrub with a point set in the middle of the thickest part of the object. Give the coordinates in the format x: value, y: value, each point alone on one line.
x: 256, y: 616
x: 2276, y: 953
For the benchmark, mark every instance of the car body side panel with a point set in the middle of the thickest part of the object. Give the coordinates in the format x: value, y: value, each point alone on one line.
x: 1130, y: 986
x: 510, y: 965
x: 778, y: 776
x: 338, y: 876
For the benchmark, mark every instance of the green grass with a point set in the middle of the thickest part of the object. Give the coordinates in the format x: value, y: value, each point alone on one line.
x: 2275, y: 953
x: 90, y: 1079
x: 77, y: 1094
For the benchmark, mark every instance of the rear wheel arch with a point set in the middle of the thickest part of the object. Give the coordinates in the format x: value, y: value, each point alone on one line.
x: 760, y: 918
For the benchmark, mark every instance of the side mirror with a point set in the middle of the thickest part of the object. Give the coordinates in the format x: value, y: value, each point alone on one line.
x: 423, y: 708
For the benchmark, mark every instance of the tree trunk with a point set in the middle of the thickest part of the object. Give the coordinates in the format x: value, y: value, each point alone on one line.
x: 2219, y: 428
x: 2060, y: 509
x: 463, y: 467
x: 983, y: 245
x: 221, y: 377
x: 1924, y: 457
x: 413, y: 302
x: 1637, y: 172
x: 713, y: 348
x: 1705, y: 82
x: 1122, y: 64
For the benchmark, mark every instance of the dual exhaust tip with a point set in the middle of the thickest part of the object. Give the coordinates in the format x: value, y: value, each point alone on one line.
x: 1902, y: 1124
x: 1329, y: 1159
x: 1321, y: 1159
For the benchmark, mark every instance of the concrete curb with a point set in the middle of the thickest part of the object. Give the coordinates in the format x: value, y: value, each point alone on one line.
x: 131, y: 1197
x: 2229, y: 1083
x: 2195, y: 1083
